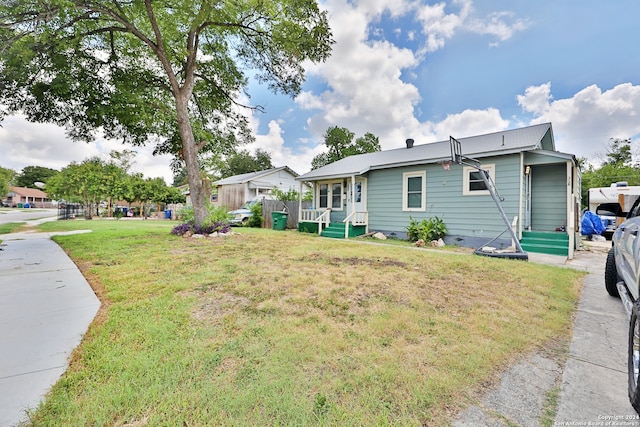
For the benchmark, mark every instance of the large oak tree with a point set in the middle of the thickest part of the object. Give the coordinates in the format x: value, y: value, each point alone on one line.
x: 340, y: 144
x: 167, y: 72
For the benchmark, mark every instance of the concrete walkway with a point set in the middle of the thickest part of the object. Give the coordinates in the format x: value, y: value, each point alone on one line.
x: 592, y: 380
x: 46, y: 306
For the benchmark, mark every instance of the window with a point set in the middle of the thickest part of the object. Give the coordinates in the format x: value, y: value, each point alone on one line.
x: 323, y: 196
x: 414, y: 191
x: 330, y: 195
x: 336, y: 195
x: 472, y: 182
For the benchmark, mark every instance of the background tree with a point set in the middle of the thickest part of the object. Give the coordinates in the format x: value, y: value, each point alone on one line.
x: 340, y: 143
x: 173, y: 196
x: 123, y: 159
x: 619, y: 152
x: 83, y: 182
x: 6, y: 179
x: 32, y: 174
x: 114, y: 184
x: 180, y: 176
x: 618, y: 166
x: 243, y: 162
x: 155, y: 191
x: 134, y: 188
x: 143, y: 70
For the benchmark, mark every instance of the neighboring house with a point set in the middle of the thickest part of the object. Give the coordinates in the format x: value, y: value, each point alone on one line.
x: 33, y: 197
x: 233, y: 191
x: 382, y: 191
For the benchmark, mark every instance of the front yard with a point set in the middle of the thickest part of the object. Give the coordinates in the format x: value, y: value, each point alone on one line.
x: 282, y: 328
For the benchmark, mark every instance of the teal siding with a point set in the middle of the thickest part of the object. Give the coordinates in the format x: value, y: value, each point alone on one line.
x: 473, y: 215
x: 541, y: 159
x: 547, y: 141
x: 338, y: 216
x: 548, y: 197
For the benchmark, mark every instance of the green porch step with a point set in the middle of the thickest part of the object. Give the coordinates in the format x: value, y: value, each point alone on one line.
x: 336, y: 230
x: 542, y: 242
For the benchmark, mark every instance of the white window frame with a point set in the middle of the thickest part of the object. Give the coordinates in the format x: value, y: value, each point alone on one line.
x: 466, y: 172
x: 330, y: 194
x: 405, y: 191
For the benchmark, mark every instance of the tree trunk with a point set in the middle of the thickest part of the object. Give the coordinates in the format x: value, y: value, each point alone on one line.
x: 190, y: 156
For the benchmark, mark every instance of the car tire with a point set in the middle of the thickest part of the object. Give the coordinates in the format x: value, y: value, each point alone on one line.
x: 633, y: 365
x: 611, y: 274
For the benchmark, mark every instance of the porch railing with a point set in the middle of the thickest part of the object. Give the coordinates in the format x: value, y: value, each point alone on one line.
x: 356, y: 218
x: 319, y: 216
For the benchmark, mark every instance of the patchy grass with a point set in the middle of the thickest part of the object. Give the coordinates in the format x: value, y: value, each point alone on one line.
x: 10, y: 227
x: 282, y: 328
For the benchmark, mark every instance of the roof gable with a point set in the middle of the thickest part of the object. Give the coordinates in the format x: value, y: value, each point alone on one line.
x: 253, y: 176
x: 498, y: 143
x: 28, y: 192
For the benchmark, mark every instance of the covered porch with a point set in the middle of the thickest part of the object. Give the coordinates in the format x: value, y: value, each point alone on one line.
x: 338, y: 208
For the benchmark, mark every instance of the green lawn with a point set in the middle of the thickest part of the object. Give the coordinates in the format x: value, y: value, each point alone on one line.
x: 10, y: 227
x: 282, y: 328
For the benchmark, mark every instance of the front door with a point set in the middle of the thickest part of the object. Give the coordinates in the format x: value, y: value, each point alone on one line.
x: 357, y: 197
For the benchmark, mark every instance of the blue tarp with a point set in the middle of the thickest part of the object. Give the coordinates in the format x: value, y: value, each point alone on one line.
x: 591, y: 224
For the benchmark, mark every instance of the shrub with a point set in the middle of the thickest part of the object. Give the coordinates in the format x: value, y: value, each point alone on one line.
x: 427, y: 230
x: 255, y: 220
x: 182, y: 229
x: 215, y: 214
x: 188, y: 227
x: 285, y: 196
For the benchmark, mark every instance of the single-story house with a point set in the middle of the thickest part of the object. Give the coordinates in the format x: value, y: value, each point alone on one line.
x: 32, y: 197
x: 538, y: 187
x: 233, y: 191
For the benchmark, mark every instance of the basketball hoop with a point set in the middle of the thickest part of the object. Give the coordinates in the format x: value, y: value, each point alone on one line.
x: 446, y: 165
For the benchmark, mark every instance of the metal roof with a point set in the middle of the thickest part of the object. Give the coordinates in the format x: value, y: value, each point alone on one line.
x: 492, y: 144
x: 252, y: 176
x: 28, y: 192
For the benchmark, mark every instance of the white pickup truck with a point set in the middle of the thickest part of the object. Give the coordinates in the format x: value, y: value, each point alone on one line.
x: 622, y: 279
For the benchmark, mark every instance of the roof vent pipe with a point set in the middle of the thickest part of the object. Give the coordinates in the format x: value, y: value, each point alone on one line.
x: 409, y: 143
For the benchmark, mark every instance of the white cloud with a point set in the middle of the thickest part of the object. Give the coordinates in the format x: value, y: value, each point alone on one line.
x: 438, y: 26
x: 496, y: 25
x: 584, y: 123
x: 470, y: 123
x: 42, y: 144
x: 536, y: 99
x: 366, y: 92
x: 281, y: 155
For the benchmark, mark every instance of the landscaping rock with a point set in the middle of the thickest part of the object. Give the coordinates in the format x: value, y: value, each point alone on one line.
x: 437, y: 243
x: 379, y: 236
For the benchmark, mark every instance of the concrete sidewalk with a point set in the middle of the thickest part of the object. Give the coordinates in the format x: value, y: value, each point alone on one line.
x: 46, y: 306
x: 592, y: 380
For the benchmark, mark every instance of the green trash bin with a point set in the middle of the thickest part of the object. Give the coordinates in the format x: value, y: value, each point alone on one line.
x: 279, y: 220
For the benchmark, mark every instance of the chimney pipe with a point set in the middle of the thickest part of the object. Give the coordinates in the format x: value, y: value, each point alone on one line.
x: 409, y: 143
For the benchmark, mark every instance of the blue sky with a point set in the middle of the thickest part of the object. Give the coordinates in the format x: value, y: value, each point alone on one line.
x: 426, y: 70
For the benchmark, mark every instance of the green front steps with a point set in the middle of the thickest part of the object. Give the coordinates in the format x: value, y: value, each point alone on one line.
x: 336, y: 230
x: 542, y: 242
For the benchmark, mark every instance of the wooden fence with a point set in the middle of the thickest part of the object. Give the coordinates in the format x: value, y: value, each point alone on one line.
x: 291, y: 208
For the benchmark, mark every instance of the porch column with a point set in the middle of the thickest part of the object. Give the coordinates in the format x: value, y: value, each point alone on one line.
x: 570, y: 225
x: 300, y: 202
x: 353, y: 194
